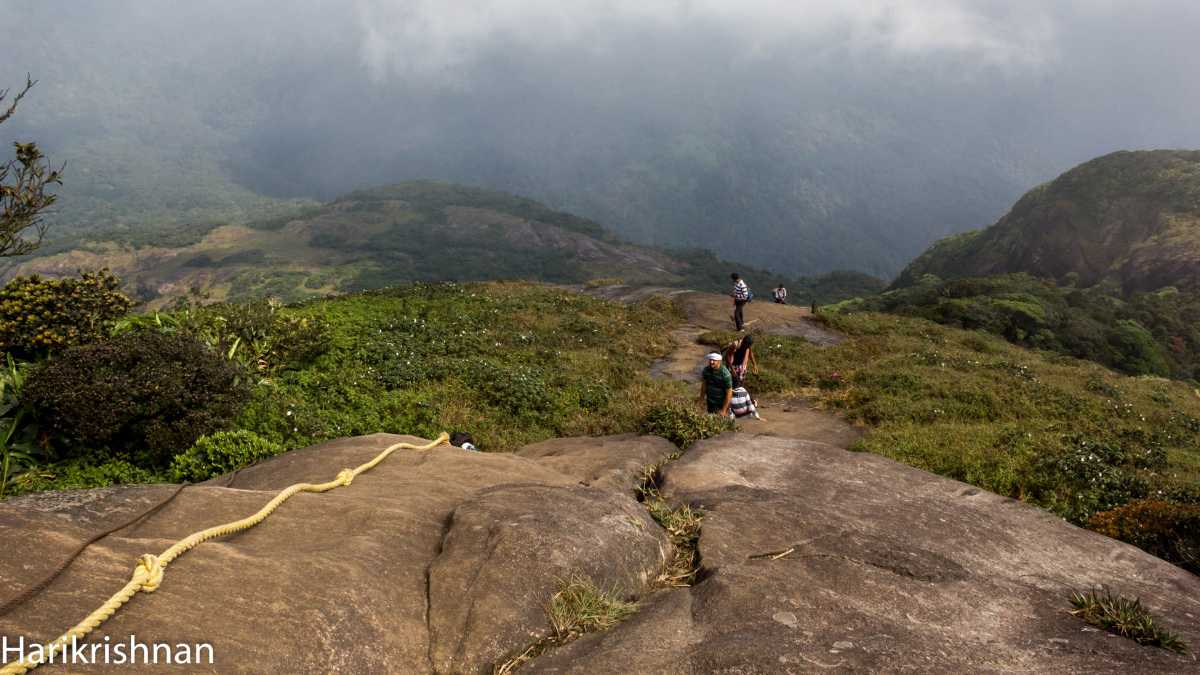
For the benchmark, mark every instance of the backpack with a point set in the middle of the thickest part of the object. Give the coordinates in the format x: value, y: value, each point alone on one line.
x: 749, y: 295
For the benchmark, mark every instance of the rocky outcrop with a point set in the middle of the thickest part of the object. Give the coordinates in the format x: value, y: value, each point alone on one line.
x: 818, y: 559
x: 813, y: 558
x: 441, y: 560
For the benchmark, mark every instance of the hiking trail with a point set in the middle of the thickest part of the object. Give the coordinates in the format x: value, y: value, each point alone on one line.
x: 785, y: 417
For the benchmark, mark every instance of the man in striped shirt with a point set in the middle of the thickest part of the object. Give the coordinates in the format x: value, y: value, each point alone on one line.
x: 741, y: 295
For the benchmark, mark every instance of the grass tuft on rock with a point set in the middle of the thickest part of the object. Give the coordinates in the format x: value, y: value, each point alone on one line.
x: 1127, y: 618
x: 580, y: 606
x: 682, y: 524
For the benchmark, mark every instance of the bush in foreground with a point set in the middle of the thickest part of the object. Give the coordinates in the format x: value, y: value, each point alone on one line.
x: 39, y: 315
x: 683, y: 426
x: 146, y: 395
x: 221, y: 453
x: 1169, y: 531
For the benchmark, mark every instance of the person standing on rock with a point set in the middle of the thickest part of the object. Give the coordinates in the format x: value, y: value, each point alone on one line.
x: 716, y: 385
x: 781, y: 295
x: 741, y: 295
x: 740, y: 358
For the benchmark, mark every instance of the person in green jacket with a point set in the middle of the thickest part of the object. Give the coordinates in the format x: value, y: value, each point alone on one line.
x: 716, y: 385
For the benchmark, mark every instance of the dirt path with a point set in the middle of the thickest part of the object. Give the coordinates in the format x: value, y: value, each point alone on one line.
x: 793, y: 418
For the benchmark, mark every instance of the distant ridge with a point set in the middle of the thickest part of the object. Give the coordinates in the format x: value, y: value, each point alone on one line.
x: 1128, y: 218
x: 412, y: 231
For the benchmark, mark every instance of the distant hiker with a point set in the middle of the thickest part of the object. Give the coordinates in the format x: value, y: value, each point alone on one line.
x: 461, y: 439
x: 740, y: 358
x: 781, y: 295
x: 741, y: 295
x: 716, y: 385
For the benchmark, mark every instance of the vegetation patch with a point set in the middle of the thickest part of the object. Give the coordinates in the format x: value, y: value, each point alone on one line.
x: 512, y: 363
x: 1155, y: 333
x: 39, y: 315
x: 221, y: 453
x: 682, y: 524
x: 1127, y: 618
x: 683, y: 424
x: 1168, y: 530
x: 578, y: 607
x: 1065, y: 434
x: 143, y: 396
x: 582, y: 607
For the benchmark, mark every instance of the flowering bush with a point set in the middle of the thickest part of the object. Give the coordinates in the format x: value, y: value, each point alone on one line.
x: 39, y: 315
x: 1167, y: 530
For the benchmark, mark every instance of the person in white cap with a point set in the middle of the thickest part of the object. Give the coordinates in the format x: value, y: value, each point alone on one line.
x: 716, y: 385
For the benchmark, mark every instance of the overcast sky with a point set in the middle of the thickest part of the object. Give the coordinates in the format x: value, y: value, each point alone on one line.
x: 935, y: 113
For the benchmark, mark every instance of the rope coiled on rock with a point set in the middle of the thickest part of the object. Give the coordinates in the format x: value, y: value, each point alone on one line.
x: 148, y: 573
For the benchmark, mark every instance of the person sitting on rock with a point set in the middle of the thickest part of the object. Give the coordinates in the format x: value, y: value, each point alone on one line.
x: 716, y: 385
x: 781, y: 295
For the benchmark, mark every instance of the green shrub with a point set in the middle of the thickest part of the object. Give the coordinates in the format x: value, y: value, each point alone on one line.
x: 1086, y: 477
x: 259, y: 335
x: 1127, y: 618
x: 1169, y: 531
x: 1147, y: 333
x: 86, y: 471
x: 519, y: 390
x: 683, y: 426
x: 146, y: 394
x: 1137, y: 352
x: 219, y: 453
x: 40, y: 315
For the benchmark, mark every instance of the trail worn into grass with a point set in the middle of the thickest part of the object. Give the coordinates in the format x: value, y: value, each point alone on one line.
x: 791, y: 418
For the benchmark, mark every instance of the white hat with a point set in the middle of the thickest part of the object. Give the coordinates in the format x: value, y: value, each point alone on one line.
x: 713, y: 356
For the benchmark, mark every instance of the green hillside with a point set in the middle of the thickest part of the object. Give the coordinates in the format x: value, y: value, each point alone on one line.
x: 1154, y: 333
x: 1130, y: 218
x: 413, y: 231
x: 1102, y: 263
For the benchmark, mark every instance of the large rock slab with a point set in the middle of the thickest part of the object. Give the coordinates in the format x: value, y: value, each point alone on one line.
x: 614, y: 462
x: 510, y: 548
x: 353, y: 580
x: 819, y: 559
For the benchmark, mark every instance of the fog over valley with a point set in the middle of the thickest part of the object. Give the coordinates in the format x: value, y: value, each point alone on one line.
x: 799, y: 136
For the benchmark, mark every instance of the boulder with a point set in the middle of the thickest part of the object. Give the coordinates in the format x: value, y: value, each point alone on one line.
x: 812, y: 558
x: 510, y: 548
x: 612, y: 462
x: 442, y: 558
x: 819, y: 559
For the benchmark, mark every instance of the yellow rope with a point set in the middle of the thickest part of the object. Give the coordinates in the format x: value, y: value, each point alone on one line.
x: 148, y: 573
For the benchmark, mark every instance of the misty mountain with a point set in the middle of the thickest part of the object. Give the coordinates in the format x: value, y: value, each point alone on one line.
x: 395, y: 234
x: 1129, y: 218
x: 804, y: 138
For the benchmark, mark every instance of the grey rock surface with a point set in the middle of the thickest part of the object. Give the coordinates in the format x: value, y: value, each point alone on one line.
x: 443, y: 558
x: 813, y: 559
x: 819, y: 559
